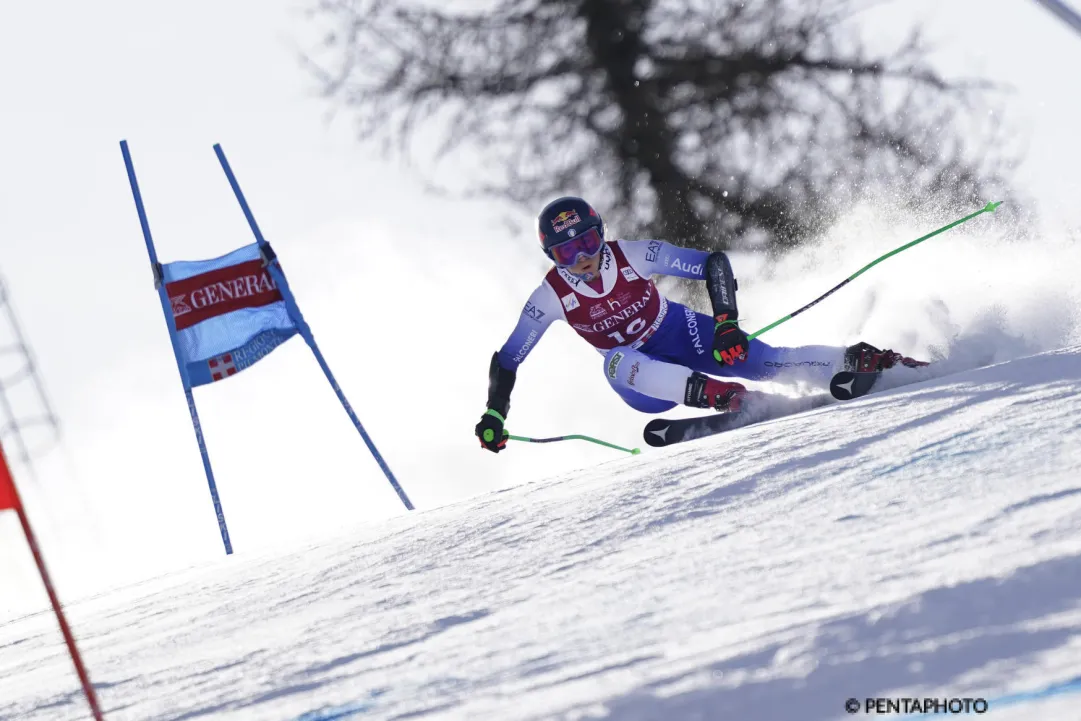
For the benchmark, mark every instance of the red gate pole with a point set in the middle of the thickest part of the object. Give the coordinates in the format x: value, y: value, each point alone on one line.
x: 9, y: 499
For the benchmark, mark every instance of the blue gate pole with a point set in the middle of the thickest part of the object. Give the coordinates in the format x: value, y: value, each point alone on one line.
x: 167, y: 309
x: 302, y: 327
x: 1063, y: 12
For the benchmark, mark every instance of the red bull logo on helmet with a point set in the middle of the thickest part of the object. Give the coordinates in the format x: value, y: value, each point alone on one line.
x: 565, y: 220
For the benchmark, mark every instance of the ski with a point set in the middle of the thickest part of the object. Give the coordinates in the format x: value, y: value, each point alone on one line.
x: 849, y: 384
x: 846, y: 385
x: 863, y: 369
x: 661, y: 432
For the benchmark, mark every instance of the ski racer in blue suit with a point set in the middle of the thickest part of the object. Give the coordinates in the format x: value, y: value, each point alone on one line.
x: 657, y: 353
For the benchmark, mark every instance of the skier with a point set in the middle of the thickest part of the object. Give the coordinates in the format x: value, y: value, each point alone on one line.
x: 657, y: 353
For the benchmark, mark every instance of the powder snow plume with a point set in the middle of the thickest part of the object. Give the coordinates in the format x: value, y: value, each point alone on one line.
x: 969, y: 297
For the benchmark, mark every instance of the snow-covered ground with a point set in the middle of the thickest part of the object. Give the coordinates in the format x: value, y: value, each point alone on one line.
x: 925, y: 541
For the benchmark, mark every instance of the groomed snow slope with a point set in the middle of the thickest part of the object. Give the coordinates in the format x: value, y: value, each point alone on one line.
x: 925, y: 541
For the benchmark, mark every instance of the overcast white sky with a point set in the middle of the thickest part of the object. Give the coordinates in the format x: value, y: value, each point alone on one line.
x: 406, y: 318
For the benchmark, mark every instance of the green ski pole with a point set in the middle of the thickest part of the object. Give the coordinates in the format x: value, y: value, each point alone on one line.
x: 632, y: 451
x: 989, y: 208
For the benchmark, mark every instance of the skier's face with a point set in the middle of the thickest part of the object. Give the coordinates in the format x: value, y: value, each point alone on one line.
x: 588, y: 268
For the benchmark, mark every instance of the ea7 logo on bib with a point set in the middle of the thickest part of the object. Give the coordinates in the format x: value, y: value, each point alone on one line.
x: 628, y: 273
x: 570, y: 301
x: 533, y: 312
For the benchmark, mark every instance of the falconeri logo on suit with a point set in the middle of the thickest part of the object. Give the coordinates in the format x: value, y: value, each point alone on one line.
x: 798, y: 364
x: 692, y: 330
x: 530, y: 339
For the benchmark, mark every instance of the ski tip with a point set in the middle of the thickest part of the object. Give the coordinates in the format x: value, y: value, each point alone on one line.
x: 656, y: 432
x: 990, y: 207
x: 847, y: 385
x: 842, y: 386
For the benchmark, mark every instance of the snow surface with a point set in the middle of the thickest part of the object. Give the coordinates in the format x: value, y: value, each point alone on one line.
x: 918, y: 542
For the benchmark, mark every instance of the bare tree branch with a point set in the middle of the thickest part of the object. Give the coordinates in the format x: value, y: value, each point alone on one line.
x: 713, y: 123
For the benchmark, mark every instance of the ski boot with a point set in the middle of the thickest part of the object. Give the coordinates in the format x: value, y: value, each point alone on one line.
x: 863, y: 364
x: 705, y: 392
x: 865, y: 358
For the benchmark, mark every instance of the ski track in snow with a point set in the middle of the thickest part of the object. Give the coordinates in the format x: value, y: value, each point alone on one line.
x: 918, y: 542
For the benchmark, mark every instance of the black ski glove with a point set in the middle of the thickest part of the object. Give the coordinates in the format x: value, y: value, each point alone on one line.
x: 490, y: 431
x: 730, y: 343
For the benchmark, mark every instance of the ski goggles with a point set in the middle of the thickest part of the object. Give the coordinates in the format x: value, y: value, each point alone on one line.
x: 566, y: 254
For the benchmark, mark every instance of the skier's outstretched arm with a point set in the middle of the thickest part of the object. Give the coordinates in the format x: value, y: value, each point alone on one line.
x: 540, y: 310
x: 659, y: 257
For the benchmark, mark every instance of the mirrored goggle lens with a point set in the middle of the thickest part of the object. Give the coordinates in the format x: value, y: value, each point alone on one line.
x: 567, y: 252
